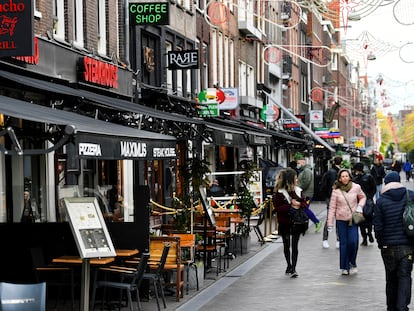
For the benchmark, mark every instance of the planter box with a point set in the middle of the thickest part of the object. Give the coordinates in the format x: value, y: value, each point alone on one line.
x: 240, y: 244
x: 192, y: 280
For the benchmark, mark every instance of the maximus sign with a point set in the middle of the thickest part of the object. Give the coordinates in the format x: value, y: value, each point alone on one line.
x: 183, y: 59
x: 149, y: 13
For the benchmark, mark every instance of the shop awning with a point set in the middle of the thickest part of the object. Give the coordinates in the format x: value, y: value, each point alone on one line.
x: 95, y: 138
x: 108, y: 101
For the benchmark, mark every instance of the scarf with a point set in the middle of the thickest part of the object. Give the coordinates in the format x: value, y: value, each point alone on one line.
x: 345, y: 188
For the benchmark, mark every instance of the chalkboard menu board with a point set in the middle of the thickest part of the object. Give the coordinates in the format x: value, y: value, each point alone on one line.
x: 89, y: 228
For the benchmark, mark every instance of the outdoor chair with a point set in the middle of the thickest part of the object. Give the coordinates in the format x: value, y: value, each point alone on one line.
x: 130, y: 280
x: 22, y: 297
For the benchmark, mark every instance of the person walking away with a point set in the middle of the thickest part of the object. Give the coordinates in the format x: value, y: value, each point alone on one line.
x: 407, y: 170
x: 368, y: 185
x: 378, y: 172
x: 305, y: 182
x: 286, y: 201
x: 332, y: 175
x: 347, y: 197
x: 396, y: 247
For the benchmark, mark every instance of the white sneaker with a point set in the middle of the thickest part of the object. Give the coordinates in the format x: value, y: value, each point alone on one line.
x: 345, y: 272
x: 353, y: 270
x: 337, y: 244
x: 325, y: 244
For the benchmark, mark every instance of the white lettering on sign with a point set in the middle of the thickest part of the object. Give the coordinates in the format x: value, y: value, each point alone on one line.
x: 133, y: 149
x: 185, y: 59
x: 163, y: 152
x: 90, y: 149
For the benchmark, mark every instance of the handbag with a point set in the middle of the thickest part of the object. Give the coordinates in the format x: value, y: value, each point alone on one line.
x: 408, y: 216
x: 357, y: 218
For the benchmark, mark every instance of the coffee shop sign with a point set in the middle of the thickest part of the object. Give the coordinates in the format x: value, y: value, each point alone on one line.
x: 149, y: 13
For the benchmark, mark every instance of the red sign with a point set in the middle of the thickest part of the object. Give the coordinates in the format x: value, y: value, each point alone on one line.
x: 98, y: 72
x: 16, y: 28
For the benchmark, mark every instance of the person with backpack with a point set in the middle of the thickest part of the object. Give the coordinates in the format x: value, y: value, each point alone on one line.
x: 368, y: 185
x: 329, y: 179
x: 287, y: 203
x: 397, y: 248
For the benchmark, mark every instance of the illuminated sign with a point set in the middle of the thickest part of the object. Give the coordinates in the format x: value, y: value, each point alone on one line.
x: 149, y: 13
x: 16, y: 28
x: 98, y: 72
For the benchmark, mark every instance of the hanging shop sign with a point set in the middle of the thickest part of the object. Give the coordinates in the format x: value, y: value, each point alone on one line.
x: 326, y: 132
x: 210, y: 101
x: 290, y: 124
x: 98, y: 72
x: 231, y: 99
x: 316, y: 116
x: 149, y: 13
x: 183, y: 60
x: 16, y: 28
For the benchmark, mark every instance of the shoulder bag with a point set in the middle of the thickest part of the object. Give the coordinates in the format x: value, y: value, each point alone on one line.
x: 408, y: 216
x: 357, y: 218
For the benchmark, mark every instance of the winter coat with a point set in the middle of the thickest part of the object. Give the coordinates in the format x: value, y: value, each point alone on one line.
x: 378, y: 172
x: 305, y: 181
x: 338, y: 207
x: 367, y: 183
x: 283, y: 207
x: 388, y: 215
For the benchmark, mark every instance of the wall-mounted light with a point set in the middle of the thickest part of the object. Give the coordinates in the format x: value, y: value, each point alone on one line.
x: 371, y: 56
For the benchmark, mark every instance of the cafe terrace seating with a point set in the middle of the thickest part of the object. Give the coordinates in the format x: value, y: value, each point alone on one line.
x: 124, y: 279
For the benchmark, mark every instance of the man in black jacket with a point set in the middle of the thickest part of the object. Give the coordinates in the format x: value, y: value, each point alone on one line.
x: 397, y: 248
x: 368, y: 185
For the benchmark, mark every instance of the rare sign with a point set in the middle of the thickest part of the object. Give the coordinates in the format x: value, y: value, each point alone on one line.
x: 16, y: 28
x: 183, y: 59
x: 149, y: 13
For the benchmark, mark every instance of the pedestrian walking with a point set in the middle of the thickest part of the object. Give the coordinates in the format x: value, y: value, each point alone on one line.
x: 378, y: 172
x: 305, y: 182
x: 397, y: 249
x: 347, y: 197
x: 331, y: 176
x: 407, y: 170
x: 287, y: 200
x: 368, y: 185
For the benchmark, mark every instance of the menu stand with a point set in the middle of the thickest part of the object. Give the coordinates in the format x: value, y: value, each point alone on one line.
x: 91, y: 236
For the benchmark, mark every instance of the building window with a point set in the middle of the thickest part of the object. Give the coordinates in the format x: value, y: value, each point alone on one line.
x: 205, y: 67
x: 250, y: 81
x: 231, y: 66
x: 59, y: 19
x: 78, y: 23
x: 37, y: 13
x: 101, y: 9
x: 220, y: 59
x: 168, y: 48
x: 242, y: 79
x: 226, y: 62
x: 214, y: 74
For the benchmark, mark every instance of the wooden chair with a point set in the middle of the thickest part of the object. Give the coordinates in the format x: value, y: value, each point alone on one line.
x: 188, y: 243
x: 173, y: 263
x: 23, y: 297
x: 57, y: 276
x: 223, y: 236
x: 130, y: 280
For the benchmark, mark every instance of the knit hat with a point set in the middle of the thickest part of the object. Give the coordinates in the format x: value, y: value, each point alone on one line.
x: 392, y: 177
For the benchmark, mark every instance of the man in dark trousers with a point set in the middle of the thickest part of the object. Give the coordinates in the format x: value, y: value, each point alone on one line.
x: 378, y: 172
x: 397, y: 248
x: 368, y: 185
x: 332, y: 174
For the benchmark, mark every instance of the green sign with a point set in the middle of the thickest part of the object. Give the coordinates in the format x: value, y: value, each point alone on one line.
x: 209, y: 110
x: 149, y: 13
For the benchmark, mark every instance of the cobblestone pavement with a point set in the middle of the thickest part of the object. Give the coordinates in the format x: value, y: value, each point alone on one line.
x: 256, y: 281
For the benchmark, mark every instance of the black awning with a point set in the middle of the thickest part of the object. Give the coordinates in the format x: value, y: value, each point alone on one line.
x: 111, y: 102
x: 260, y: 136
x: 95, y: 138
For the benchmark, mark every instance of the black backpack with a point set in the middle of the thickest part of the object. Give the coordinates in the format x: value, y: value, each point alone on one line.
x: 299, y: 220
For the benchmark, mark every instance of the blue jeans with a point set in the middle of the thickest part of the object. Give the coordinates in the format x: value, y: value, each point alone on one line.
x: 348, y: 244
x: 398, y: 263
